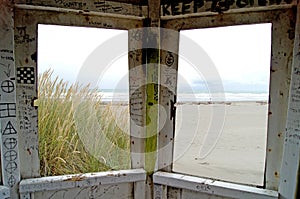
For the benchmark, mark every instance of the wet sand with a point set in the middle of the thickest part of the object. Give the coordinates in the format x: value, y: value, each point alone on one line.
x: 239, y: 153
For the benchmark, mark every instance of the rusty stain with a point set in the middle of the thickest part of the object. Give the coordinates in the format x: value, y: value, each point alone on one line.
x: 26, y: 61
x: 76, y: 178
x: 281, y: 93
x: 276, y: 174
x: 29, y: 152
x: 87, y: 18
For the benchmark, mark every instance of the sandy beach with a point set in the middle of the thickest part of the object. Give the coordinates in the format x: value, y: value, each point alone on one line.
x: 239, y: 153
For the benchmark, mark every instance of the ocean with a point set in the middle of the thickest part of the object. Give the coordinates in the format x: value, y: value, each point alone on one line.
x: 123, y: 96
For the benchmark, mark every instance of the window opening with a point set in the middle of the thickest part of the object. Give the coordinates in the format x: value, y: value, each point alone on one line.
x: 83, y: 120
x: 241, y: 56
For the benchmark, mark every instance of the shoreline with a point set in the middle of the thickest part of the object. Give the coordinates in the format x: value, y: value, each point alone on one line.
x: 261, y: 102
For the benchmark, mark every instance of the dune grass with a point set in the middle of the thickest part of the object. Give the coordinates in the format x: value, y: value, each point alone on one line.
x: 77, y: 132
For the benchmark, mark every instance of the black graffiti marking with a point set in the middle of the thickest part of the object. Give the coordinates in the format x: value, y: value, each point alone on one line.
x: 171, y: 7
x: 10, y: 156
x: 25, y: 75
x: 22, y: 36
x: 103, y: 6
x: 9, y: 129
x: 7, y: 110
x: 168, y: 80
x: 169, y: 59
x: 7, y: 86
x: 11, y: 181
x: 11, y: 167
x: 10, y: 143
x: 7, y: 67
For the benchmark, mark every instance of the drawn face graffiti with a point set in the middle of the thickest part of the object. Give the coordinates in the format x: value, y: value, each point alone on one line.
x: 169, y: 59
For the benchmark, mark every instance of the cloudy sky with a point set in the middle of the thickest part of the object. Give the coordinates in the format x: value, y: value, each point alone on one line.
x: 240, y: 55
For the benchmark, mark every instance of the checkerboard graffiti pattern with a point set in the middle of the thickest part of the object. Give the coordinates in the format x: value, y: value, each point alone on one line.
x: 25, y: 75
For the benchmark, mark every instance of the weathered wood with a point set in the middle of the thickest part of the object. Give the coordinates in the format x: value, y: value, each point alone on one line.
x: 230, y: 18
x: 69, y: 17
x: 4, y: 192
x: 289, y: 175
x: 183, y: 7
x: 137, y: 97
x: 167, y: 100
x: 9, y: 130
x: 120, y: 191
x: 81, y: 180
x: 116, y: 7
x: 26, y: 91
x: 160, y: 191
x: 152, y: 84
x: 283, y: 29
x: 102, y: 184
x: 212, y: 187
x: 137, y: 106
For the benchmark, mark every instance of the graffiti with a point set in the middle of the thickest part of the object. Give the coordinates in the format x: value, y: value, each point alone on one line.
x: 169, y: 59
x: 7, y: 86
x: 96, y: 23
x: 11, y: 181
x: 7, y: 110
x: 181, y: 7
x: 10, y: 156
x: 10, y: 143
x: 72, y: 4
x: 9, y: 129
x: 7, y: 69
x: 105, y: 7
x: 25, y: 75
x: 22, y: 36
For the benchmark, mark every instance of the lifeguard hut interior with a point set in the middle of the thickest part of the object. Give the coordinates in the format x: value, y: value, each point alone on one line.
x: 153, y: 28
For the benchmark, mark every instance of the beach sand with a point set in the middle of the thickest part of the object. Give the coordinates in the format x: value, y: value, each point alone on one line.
x: 239, y: 153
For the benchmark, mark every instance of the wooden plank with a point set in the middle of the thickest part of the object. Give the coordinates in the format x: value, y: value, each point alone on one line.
x: 120, y: 191
x: 10, y: 161
x: 289, y: 176
x: 160, y: 191
x: 139, y: 190
x: 188, y: 194
x: 212, y: 187
x: 4, y: 192
x: 116, y: 7
x: 137, y: 106
x: 283, y: 29
x: 234, y: 17
x: 183, y: 7
x: 137, y: 97
x: 152, y: 85
x: 167, y: 100
x: 69, y: 17
x: 26, y: 92
x: 81, y: 180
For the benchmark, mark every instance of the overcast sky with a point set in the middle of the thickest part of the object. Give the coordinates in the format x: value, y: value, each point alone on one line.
x: 241, y: 54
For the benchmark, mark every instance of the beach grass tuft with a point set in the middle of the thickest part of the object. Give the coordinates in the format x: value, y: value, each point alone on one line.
x: 78, y: 133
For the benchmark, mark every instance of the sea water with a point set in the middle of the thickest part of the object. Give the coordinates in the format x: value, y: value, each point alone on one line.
x: 108, y: 95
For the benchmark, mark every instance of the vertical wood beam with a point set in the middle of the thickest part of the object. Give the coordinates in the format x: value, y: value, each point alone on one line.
x: 281, y: 62
x: 289, y: 178
x: 10, y: 162
x: 167, y: 100
x: 26, y: 84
